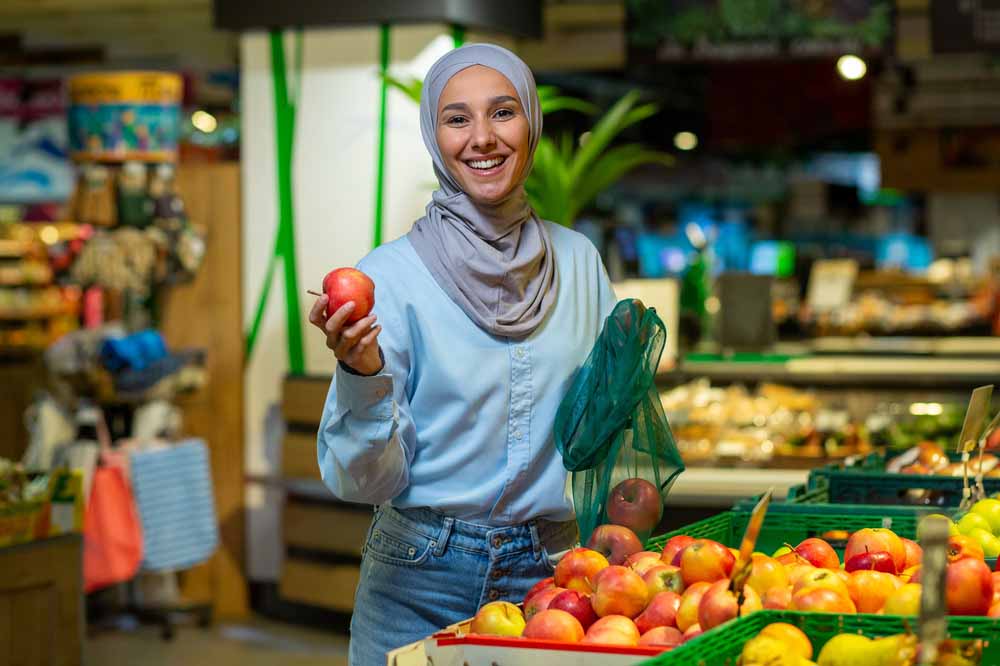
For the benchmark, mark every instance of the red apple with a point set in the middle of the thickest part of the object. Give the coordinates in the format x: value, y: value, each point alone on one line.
x: 821, y: 599
x: 719, y: 604
x: 349, y: 284
x: 668, y: 637
x: 876, y: 540
x: 642, y: 561
x: 818, y: 553
x: 543, y: 584
x: 614, y: 542
x: 663, y: 578
x: 636, y: 504
x: 541, y: 601
x: 869, y: 590
x: 660, y: 612
x: 694, y: 631
x: 674, y: 546
x: 969, y: 587
x: 777, y: 598
x: 619, y: 591
x: 961, y: 547
x: 996, y: 586
x: 867, y: 561
x: 577, y: 568
x: 904, y: 601
x: 576, y: 604
x: 613, y: 630
x: 914, y: 553
x: 498, y: 618
x: 687, y: 612
x: 706, y: 561
x: 554, y: 625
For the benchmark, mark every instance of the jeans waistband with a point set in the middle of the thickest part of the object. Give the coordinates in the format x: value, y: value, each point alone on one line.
x: 446, y: 531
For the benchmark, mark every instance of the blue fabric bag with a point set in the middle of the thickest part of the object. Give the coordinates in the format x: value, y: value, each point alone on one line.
x: 173, y: 492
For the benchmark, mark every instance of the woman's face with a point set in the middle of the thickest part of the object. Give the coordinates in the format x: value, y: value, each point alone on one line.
x: 482, y: 133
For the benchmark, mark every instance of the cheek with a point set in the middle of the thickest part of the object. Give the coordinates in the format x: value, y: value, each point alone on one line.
x: 451, y: 145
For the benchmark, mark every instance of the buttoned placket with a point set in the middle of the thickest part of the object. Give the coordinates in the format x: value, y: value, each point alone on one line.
x: 518, y: 424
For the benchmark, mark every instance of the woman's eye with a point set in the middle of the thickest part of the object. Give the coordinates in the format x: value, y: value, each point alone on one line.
x: 455, y: 120
x: 503, y: 114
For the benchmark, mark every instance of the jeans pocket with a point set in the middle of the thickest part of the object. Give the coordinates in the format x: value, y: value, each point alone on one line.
x: 392, y: 542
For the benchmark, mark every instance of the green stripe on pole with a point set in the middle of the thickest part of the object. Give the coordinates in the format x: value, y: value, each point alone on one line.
x: 458, y: 35
x: 380, y: 155
x: 284, y: 243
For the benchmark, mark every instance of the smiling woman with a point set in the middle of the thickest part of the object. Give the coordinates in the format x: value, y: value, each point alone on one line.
x: 483, y: 133
x: 488, y: 312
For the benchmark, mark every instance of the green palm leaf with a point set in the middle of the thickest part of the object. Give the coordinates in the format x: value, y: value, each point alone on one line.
x: 608, y: 169
x: 412, y: 87
x: 604, y: 132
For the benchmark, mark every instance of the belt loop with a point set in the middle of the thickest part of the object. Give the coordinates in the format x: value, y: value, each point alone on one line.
x: 536, y: 542
x: 442, y: 540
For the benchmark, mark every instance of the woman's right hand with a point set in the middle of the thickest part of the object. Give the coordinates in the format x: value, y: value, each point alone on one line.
x: 355, y: 345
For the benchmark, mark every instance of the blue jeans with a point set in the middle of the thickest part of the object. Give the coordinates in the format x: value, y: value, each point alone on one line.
x: 422, y: 570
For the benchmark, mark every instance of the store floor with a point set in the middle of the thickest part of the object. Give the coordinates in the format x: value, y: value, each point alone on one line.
x: 256, y: 642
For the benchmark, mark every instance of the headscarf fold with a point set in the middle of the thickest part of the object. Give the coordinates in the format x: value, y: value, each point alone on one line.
x: 496, y: 262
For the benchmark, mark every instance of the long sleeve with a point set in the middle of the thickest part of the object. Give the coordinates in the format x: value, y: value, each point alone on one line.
x: 366, y: 437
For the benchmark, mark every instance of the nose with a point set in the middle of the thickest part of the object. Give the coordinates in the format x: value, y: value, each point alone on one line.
x: 483, y: 137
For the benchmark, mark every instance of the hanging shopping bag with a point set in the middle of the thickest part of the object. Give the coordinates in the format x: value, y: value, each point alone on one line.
x: 112, y: 537
x: 611, y: 430
x: 173, y: 491
x: 112, y: 534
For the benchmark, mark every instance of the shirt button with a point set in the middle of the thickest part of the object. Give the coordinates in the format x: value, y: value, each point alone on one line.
x: 494, y: 595
x: 517, y: 434
x: 519, y: 352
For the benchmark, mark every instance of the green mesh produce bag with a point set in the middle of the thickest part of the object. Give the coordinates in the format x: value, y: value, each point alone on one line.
x: 610, y: 426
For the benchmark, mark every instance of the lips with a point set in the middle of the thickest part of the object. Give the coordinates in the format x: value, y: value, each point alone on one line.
x: 486, y: 166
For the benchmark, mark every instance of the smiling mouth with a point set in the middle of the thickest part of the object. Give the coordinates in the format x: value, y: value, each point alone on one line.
x: 486, y: 167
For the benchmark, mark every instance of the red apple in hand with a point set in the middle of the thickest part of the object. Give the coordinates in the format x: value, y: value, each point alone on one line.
x: 349, y: 284
x: 636, y: 504
x: 615, y: 542
x: 576, y: 604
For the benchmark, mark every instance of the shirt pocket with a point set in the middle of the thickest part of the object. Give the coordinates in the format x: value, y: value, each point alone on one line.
x: 391, y: 542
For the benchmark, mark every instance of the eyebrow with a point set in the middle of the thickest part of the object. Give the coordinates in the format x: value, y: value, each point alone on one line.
x: 462, y: 106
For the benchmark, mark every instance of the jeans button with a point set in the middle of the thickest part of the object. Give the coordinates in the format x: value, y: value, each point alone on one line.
x: 494, y: 595
x: 496, y: 574
x: 497, y: 542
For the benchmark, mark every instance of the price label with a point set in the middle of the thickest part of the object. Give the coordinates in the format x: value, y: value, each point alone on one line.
x: 745, y: 564
x: 933, y: 610
x: 831, y: 284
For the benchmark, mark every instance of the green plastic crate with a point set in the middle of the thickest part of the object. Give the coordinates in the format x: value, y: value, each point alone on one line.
x: 792, y: 523
x: 869, y: 483
x: 722, y: 646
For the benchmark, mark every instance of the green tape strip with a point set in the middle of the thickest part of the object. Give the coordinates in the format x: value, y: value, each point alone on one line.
x: 380, y: 154
x: 284, y: 243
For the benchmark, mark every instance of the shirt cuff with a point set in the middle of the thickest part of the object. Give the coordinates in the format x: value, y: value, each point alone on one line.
x: 366, y: 396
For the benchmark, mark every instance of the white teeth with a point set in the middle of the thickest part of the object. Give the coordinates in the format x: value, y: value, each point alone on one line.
x: 486, y: 164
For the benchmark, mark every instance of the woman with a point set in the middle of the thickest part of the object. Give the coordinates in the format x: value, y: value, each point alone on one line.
x: 443, y: 418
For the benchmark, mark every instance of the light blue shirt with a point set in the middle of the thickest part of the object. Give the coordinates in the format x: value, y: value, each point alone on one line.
x: 460, y: 420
